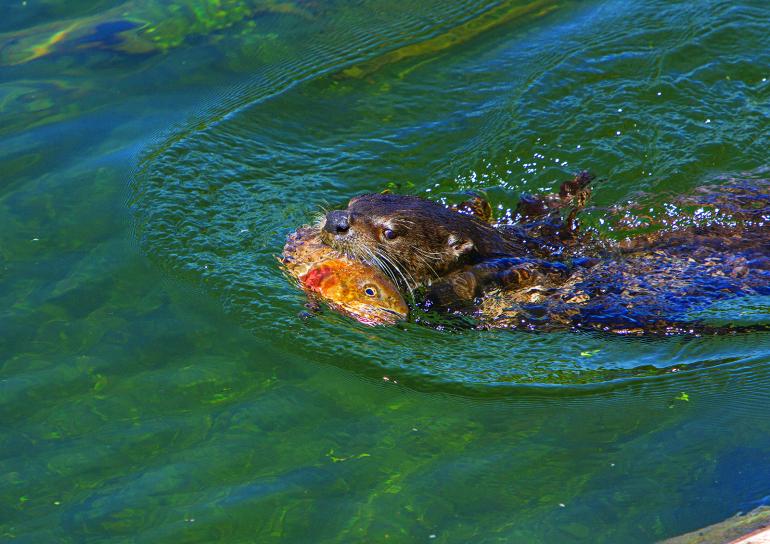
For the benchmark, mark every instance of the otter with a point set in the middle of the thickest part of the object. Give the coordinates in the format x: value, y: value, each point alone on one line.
x: 543, y: 272
x: 456, y: 257
x: 416, y: 240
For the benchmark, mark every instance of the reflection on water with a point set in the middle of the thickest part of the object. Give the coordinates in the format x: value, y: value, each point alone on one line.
x: 135, y: 408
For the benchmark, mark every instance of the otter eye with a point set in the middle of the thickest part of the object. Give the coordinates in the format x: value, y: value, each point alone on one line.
x: 370, y: 290
x: 388, y: 234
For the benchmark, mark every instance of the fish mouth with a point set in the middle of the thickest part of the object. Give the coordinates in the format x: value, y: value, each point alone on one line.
x: 377, y: 316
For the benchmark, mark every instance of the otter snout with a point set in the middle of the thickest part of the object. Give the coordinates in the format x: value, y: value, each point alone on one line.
x: 337, y: 222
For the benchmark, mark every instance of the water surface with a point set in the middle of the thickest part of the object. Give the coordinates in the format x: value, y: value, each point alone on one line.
x: 157, y: 384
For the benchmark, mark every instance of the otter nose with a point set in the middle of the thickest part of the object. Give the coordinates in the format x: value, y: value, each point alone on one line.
x: 337, y: 222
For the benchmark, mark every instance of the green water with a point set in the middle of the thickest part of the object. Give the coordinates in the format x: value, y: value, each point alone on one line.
x: 156, y: 384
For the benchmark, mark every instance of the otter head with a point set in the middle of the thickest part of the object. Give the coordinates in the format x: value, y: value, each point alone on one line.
x: 411, y: 239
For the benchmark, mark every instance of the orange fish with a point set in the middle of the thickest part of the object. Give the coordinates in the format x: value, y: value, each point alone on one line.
x: 349, y: 287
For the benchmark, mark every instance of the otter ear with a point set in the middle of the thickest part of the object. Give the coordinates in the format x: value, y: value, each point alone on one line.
x: 459, y: 245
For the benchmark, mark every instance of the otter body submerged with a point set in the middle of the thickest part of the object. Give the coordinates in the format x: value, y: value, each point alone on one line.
x: 542, y: 273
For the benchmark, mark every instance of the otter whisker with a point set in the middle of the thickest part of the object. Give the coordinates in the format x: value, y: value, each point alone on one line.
x: 390, y: 261
x: 317, y: 219
x: 386, y: 270
x: 431, y: 254
x: 389, y: 270
x: 382, y: 250
x: 434, y: 255
x: 392, y: 266
x: 403, y: 270
x: 376, y: 261
x: 355, y: 251
x: 398, y: 262
x: 425, y: 257
x: 426, y: 263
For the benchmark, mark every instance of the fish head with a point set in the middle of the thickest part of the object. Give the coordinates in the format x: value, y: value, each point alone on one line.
x: 357, y: 290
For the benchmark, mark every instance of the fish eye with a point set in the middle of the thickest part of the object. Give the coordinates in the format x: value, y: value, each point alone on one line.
x: 389, y: 234
x: 370, y: 290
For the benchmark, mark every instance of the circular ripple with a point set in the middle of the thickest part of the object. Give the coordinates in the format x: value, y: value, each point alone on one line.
x: 656, y: 100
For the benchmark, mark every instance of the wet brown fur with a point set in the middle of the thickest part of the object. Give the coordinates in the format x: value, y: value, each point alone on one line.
x: 430, y: 240
x: 543, y: 272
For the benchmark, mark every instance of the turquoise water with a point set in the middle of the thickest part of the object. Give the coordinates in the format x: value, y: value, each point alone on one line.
x: 156, y: 382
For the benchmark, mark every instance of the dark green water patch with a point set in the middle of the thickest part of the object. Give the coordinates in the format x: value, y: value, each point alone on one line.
x: 641, y: 95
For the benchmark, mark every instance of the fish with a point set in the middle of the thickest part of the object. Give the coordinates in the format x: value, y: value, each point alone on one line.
x: 347, y: 286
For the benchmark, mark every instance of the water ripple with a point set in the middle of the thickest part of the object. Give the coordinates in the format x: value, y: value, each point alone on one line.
x: 656, y: 98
